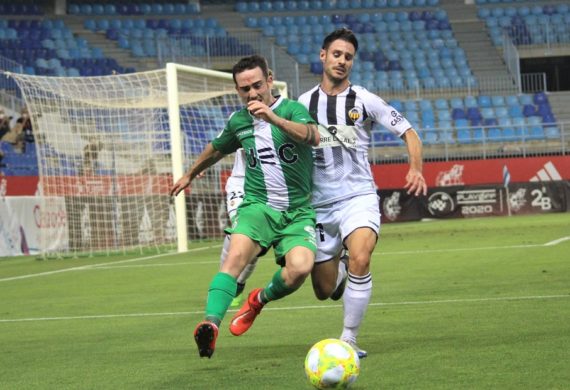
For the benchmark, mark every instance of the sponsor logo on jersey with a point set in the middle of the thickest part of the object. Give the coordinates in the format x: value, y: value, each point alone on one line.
x: 285, y: 152
x: 241, y: 134
x: 397, y: 117
x: 337, y: 135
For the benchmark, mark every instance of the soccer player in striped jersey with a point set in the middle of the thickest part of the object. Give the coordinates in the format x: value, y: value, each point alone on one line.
x: 344, y: 194
x: 277, y: 135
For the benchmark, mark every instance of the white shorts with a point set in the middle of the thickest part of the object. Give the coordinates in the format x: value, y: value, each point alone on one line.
x: 335, y: 222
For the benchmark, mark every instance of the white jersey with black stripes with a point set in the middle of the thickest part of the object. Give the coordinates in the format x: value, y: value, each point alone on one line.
x: 342, y: 169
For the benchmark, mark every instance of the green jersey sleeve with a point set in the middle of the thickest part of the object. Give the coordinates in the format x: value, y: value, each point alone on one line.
x: 227, y: 142
x: 298, y: 113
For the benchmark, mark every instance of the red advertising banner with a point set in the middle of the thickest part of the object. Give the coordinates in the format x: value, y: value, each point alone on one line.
x: 387, y: 176
x: 86, y: 185
x: 476, y: 172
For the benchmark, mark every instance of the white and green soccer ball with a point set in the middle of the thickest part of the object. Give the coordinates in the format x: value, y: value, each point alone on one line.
x: 332, y: 364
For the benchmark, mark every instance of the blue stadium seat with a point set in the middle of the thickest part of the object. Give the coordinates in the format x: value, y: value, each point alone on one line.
x: 443, y: 115
x: 494, y: 134
x: 458, y: 113
x: 508, y: 134
x: 536, y: 133
x: 464, y: 136
x: 396, y: 104
x: 470, y: 101
x: 515, y: 111
x: 425, y: 104
x: 498, y: 101
x: 552, y: 132
x: 429, y: 137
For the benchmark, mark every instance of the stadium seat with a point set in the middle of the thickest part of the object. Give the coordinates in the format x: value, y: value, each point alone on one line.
x: 430, y: 137
x: 536, y: 133
x: 464, y: 136
x: 552, y: 132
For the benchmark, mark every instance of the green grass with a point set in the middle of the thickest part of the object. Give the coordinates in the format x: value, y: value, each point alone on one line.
x: 459, y: 304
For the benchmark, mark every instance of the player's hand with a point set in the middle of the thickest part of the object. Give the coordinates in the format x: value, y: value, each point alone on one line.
x: 415, y: 183
x: 182, y: 183
x: 260, y: 110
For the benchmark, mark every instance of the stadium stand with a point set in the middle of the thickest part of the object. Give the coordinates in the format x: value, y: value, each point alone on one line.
x: 399, y: 50
x: 528, y: 24
x: 48, y: 47
x: 143, y: 37
x: 288, y: 6
x: 413, y: 52
x: 134, y: 8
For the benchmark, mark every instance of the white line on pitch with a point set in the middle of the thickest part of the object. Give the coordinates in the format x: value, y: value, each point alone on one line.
x: 556, y: 242
x: 482, y: 248
x: 88, y: 266
x: 551, y: 243
x: 291, y: 308
x: 378, y: 253
x: 111, y: 266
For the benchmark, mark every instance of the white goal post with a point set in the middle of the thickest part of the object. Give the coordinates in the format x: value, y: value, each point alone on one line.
x: 110, y: 147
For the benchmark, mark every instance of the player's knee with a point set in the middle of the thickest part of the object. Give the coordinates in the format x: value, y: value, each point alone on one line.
x: 359, y: 263
x: 299, y: 272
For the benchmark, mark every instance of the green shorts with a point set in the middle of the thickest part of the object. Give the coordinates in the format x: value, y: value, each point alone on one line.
x: 283, y: 230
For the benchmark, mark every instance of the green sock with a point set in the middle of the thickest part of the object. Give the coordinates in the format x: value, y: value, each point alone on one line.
x: 276, y: 289
x: 220, y: 294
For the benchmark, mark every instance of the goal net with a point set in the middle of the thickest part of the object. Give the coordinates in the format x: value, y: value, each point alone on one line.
x: 110, y: 147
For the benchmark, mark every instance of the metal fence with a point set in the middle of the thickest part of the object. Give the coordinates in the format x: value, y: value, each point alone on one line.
x: 533, y: 82
x: 222, y: 52
x: 554, y: 139
x: 512, y: 59
x: 215, y: 52
x: 489, y: 85
x: 539, y: 35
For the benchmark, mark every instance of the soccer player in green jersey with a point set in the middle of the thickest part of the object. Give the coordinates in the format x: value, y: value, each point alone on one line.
x: 277, y: 135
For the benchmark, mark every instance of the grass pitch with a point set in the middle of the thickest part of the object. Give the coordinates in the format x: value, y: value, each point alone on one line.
x: 459, y: 304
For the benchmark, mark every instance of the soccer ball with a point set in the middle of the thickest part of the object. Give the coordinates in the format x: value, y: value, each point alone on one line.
x: 332, y: 364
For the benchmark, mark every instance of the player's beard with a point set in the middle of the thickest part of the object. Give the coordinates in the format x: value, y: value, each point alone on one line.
x: 337, y: 80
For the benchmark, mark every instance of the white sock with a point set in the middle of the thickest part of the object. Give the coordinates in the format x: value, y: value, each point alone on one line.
x: 225, y: 249
x: 247, y: 271
x: 355, y: 301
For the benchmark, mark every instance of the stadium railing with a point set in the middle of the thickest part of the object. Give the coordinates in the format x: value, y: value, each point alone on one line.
x: 476, y: 143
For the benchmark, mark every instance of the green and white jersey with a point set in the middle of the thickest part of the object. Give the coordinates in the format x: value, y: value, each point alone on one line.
x: 278, y: 168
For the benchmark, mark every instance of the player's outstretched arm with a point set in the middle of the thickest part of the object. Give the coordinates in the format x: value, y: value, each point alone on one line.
x: 415, y: 182
x: 206, y: 159
x: 300, y: 132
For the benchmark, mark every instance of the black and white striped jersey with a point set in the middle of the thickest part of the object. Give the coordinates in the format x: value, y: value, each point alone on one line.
x: 341, y: 166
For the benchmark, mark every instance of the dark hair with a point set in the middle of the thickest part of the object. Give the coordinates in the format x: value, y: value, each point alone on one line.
x: 341, y: 33
x: 251, y: 62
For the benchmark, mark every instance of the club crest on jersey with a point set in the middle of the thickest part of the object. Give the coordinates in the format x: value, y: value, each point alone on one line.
x: 354, y: 113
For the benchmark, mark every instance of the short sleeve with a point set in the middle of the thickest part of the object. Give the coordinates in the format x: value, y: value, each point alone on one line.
x: 299, y: 113
x: 386, y: 115
x: 226, y: 142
